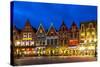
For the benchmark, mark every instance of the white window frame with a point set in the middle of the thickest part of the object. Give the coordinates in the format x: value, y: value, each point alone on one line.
x: 24, y: 35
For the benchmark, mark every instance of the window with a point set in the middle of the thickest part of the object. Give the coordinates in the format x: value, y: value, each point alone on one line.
x: 29, y: 35
x: 17, y: 43
x: 22, y: 43
x: 32, y: 42
x: 24, y: 35
x: 27, y: 43
x: 40, y: 30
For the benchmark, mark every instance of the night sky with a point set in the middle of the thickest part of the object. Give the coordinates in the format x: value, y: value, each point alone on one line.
x: 48, y: 14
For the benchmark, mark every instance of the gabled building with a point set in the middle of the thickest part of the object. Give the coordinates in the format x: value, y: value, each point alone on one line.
x: 91, y: 32
x: 73, y: 35
x: 88, y: 37
x: 52, y: 36
x: 41, y: 36
x: 63, y: 35
x: 82, y: 33
x: 28, y: 35
x: 26, y: 42
x: 88, y: 32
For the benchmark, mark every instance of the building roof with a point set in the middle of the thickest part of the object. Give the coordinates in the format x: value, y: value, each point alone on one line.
x: 63, y: 27
x: 52, y: 31
x: 73, y: 26
x: 40, y: 28
x: 28, y: 27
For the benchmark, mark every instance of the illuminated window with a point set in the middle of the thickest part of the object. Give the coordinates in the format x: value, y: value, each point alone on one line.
x: 73, y: 42
x: 93, y: 33
x: 17, y: 43
x: 82, y: 34
x: 40, y: 30
x: 17, y: 50
x: 88, y: 33
x: 32, y: 42
x: 29, y: 35
x: 22, y: 43
x: 27, y: 43
x: 24, y: 35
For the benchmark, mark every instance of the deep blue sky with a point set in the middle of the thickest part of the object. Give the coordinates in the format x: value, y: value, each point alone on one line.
x: 46, y: 14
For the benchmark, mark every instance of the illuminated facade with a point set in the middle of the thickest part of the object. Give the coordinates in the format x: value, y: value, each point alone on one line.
x: 63, y: 35
x: 28, y: 35
x: 64, y: 42
x: 41, y: 36
x: 88, y: 37
x: 40, y: 40
x: 52, y: 36
x: 91, y: 32
x: 88, y: 32
x: 82, y: 34
x: 73, y: 35
x: 26, y: 42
